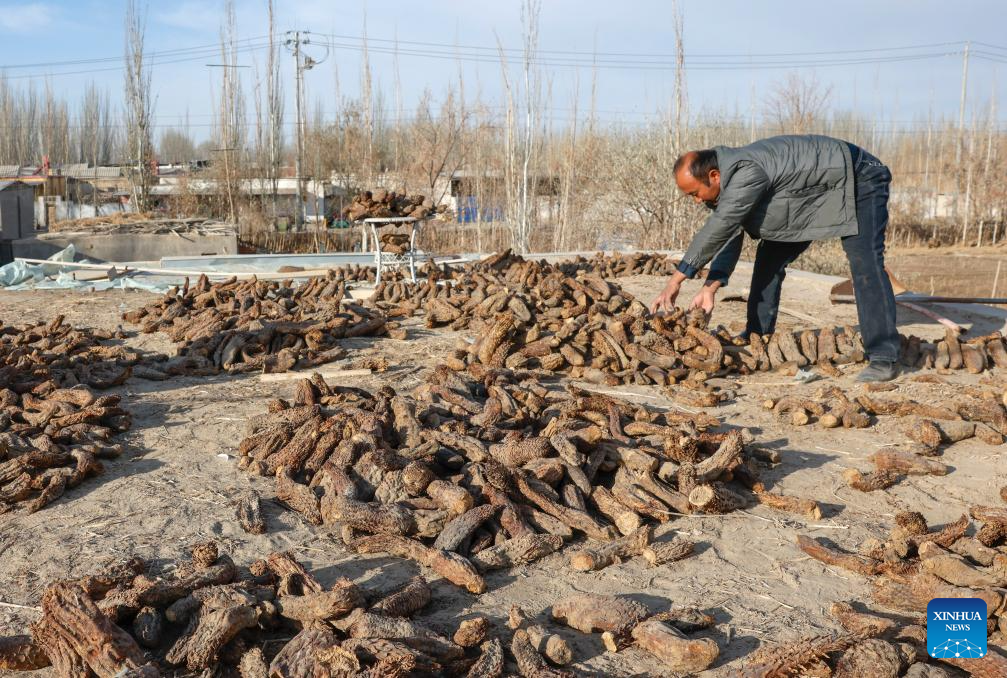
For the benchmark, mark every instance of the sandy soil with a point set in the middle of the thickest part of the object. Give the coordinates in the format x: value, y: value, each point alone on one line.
x: 178, y: 481
x: 952, y: 271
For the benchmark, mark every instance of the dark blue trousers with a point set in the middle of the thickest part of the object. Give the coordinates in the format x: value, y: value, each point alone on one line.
x: 866, y: 254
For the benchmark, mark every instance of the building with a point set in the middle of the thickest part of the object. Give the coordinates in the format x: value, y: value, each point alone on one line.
x: 321, y: 199
x: 17, y: 215
x: 480, y: 196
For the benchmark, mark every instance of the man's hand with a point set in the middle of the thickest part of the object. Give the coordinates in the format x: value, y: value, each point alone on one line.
x: 706, y: 299
x: 665, y: 301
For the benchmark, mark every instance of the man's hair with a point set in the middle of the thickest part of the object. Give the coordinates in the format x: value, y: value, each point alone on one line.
x: 701, y: 165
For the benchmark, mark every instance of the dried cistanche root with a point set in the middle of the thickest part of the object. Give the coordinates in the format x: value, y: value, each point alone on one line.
x: 613, y: 552
x: 219, y: 326
x: 781, y: 502
x: 871, y: 480
x: 551, y: 645
x: 472, y: 632
x: 229, y: 625
x: 668, y: 552
x: 423, y: 476
x: 590, y: 612
x: 834, y: 557
x: 676, y: 652
x: 789, y: 658
x: 54, y: 428
x: 453, y: 567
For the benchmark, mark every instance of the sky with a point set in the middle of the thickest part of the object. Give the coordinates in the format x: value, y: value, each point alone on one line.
x: 896, y: 61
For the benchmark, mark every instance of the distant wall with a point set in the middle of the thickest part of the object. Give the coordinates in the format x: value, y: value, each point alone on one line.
x: 134, y: 247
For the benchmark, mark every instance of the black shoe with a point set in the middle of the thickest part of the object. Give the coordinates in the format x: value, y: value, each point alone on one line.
x: 878, y: 370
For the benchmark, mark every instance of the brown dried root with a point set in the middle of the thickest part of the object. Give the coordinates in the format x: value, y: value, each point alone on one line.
x: 835, y: 558
x: 578, y: 520
x: 451, y: 566
x: 321, y: 604
x: 781, y: 502
x: 669, y: 551
x: 859, y: 623
x: 900, y: 461
x: 954, y: 569
x: 490, y: 663
x: 787, y: 659
x: 590, y: 612
x: 530, y: 663
x: 677, y: 653
x: 520, y: 551
x: 410, y: 598
x: 551, y: 645
x: 625, y: 519
x: 249, y: 512
x: 872, y: 480
x: 993, y: 665
x: 472, y: 632
x: 461, y: 528
x: 611, y: 553
x: 989, y: 514
x: 20, y: 653
x: 872, y: 657
x: 83, y: 629
x: 297, y: 496
x: 370, y: 517
x: 283, y: 564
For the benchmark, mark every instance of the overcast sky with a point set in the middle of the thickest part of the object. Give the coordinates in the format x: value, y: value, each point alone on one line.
x: 736, y: 50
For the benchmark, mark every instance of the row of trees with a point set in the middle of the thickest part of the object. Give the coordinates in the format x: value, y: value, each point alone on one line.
x: 537, y: 181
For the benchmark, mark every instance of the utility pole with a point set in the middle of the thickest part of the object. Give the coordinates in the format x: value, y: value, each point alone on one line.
x: 295, y: 43
x: 961, y: 104
x: 302, y: 62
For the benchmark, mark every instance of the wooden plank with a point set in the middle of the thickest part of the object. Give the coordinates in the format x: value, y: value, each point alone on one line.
x: 326, y: 374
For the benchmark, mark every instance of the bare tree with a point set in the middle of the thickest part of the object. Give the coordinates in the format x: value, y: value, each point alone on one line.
x: 95, y: 132
x: 274, y: 105
x: 231, y: 114
x: 438, y: 144
x: 176, y: 145
x: 530, y: 11
x: 54, y: 133
x: 797, y: 104
x: 139, y: 107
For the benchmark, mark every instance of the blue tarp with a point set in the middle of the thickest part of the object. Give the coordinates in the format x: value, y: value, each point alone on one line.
x: 20, y: 275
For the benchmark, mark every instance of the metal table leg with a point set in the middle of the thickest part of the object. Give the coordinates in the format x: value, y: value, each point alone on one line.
x: 377, y: 255
x: 412, y: 251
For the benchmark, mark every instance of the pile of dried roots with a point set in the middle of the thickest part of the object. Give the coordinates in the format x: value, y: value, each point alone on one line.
x: 914, y: 564
x: 383, y: 204
x: 487, y: 469
x: 247, y: 325
x: 53, y: 427
x: 276, y: 619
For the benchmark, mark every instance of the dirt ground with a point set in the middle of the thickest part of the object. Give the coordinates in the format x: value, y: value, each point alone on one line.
x: 947, y: 271
x: 178, y: 481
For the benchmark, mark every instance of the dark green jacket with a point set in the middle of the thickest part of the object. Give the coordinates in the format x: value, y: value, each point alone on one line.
x: 786, y: 188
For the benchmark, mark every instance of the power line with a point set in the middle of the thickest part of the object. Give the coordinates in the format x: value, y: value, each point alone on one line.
x: 644, y: 55
x: 148, y: 55
x: 553, y: 58
x: 640, y: 66
x: 152, y: 63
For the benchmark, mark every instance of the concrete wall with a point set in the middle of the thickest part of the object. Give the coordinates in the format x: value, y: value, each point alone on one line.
x: 134, y: 247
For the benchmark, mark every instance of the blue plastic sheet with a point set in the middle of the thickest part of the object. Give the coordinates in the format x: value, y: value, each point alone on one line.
x: 20, y: 275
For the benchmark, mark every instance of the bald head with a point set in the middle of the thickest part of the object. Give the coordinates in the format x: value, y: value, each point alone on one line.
x: 698, y: 176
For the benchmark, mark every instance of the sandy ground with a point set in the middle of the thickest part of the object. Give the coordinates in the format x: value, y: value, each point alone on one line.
x: 178, y: 481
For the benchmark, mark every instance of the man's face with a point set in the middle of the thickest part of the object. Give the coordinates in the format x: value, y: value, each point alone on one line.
x: 700, y: 192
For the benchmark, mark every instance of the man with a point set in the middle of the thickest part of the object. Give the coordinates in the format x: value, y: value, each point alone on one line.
x: 789, y: 191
